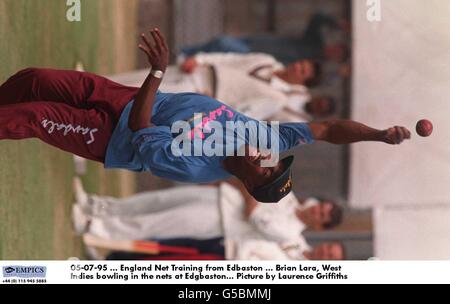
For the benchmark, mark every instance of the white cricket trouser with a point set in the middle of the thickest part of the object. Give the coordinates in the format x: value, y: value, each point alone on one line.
x: 181, y: 212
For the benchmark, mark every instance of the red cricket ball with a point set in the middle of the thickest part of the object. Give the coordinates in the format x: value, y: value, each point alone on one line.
x: 424, y: 127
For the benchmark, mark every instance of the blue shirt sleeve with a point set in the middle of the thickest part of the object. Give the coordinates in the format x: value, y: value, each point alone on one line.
x: 293, y: 134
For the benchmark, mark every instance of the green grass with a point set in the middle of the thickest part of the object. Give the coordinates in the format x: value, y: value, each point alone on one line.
x: 35, y: 179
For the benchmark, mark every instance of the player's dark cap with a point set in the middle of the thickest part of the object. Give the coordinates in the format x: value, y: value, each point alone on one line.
x: 278, y: 188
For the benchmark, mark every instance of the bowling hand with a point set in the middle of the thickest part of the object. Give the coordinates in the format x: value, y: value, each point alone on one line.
x: 396, y: 135
x: 157, y: 52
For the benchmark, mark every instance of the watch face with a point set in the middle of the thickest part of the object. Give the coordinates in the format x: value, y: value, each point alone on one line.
x: 157, y: 74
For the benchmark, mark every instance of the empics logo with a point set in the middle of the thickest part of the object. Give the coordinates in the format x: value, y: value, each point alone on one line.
x: 24, y: 271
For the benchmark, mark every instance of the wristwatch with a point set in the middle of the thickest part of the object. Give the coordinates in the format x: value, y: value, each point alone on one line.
x: 157, y: 73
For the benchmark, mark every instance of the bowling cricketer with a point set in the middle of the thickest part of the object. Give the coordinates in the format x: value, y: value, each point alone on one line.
x: 132, y: 128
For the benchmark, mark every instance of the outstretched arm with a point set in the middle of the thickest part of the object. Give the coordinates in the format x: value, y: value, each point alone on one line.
x: 347, y: 131
x: 158, y: 57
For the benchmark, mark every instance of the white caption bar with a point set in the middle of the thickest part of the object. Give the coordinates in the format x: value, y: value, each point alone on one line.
x: 222, y: 272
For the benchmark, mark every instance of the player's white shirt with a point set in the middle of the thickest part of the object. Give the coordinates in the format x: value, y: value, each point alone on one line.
x: 279, y: 221
x: 243, y: 62
x: 273, y: 222
x: 263, y: 96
